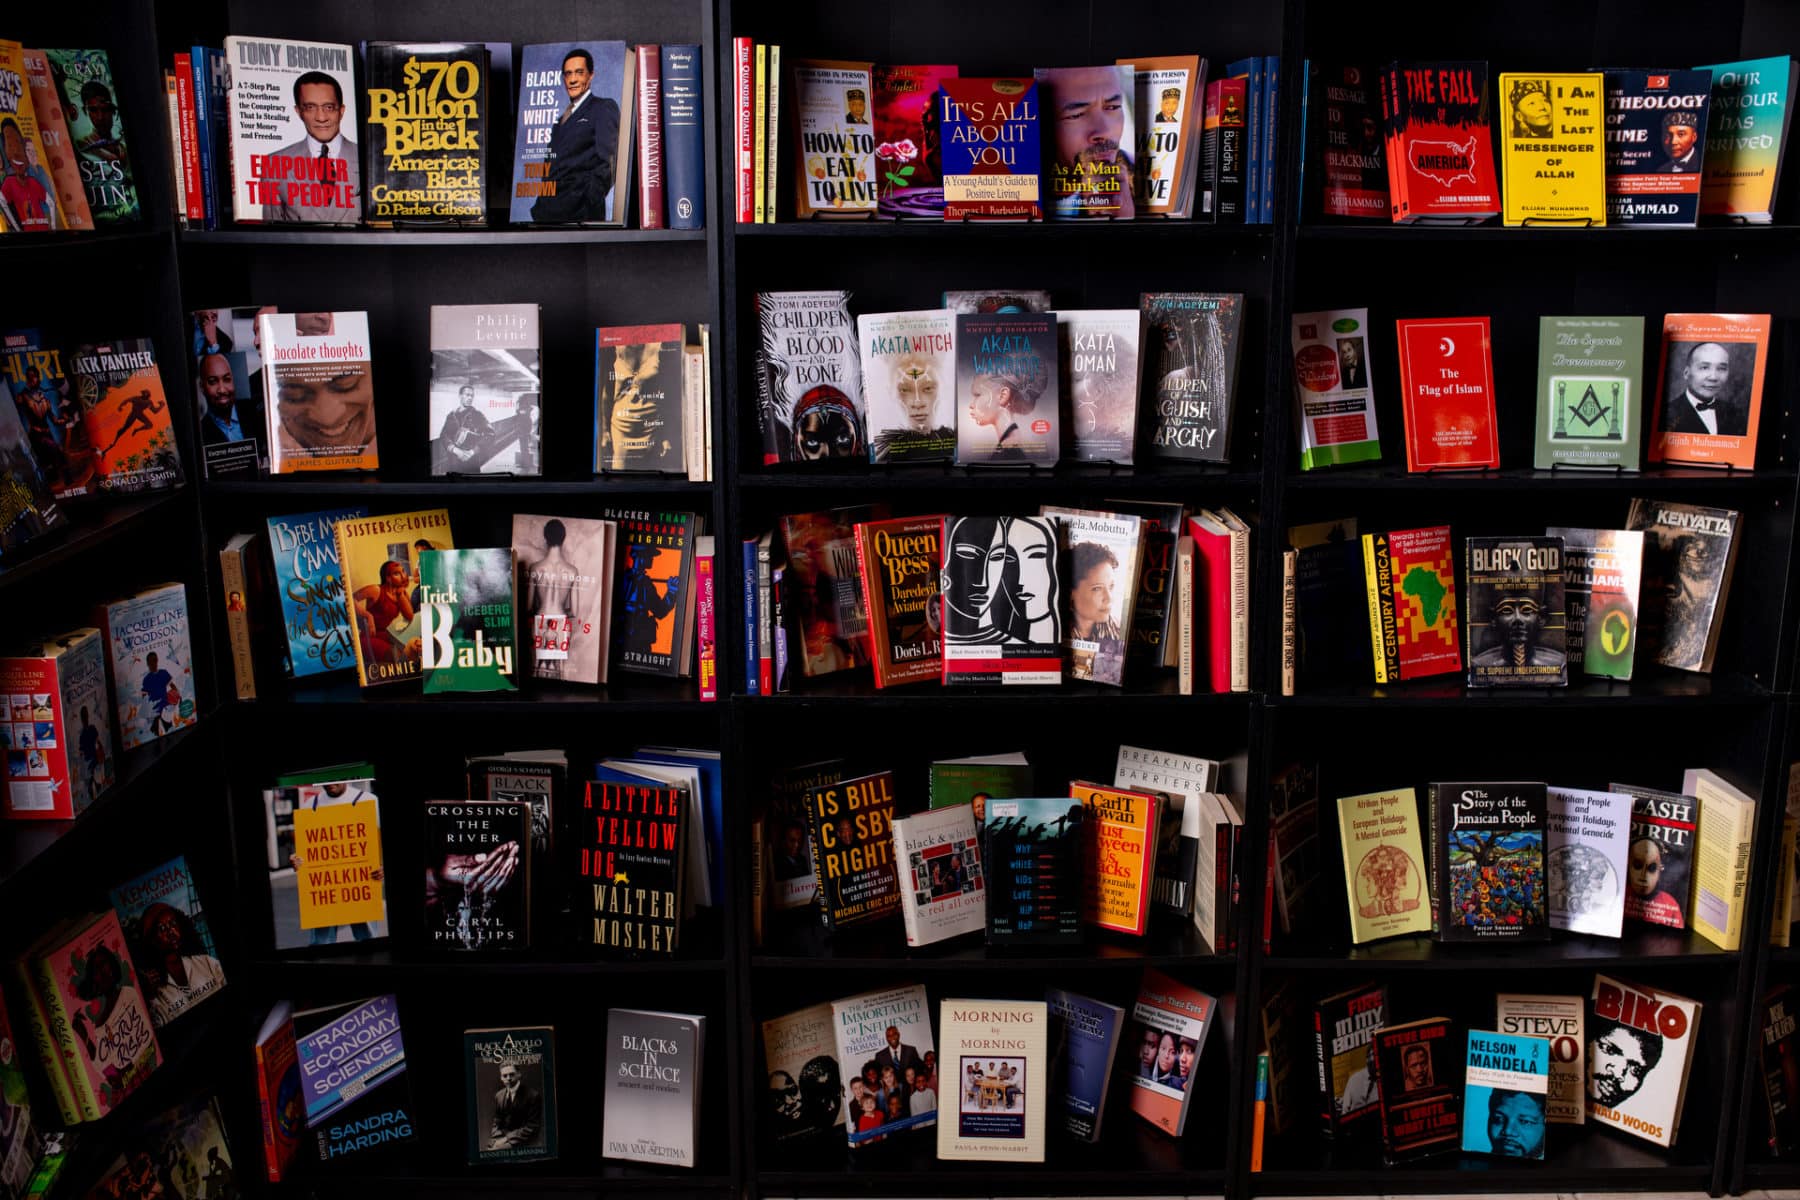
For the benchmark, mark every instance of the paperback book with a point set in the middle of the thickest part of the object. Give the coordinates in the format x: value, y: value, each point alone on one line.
x: 638, y: 400
x: 292, y: 114
x: 573, y: 149
x: 1421, y: 1096
x: 1601, y: 573
x: 1560, y: 1021
x: 1101, y: 555
x: 1690, y: 553
x: 309, y: 584
x: 486, y: 390
x: 909, y: 160
x: 1708, y: 402
x: 91, y: 110
x: 152, y: 663
x: 806, y: 1095
x: 228, y: 377
x: 1345, y: 105
x: 653, y: 1087
x: 1506, y: 1086
x: 881, y: 1034
x: 125, y: 415
x: 826, y: 622
x: 510, y: 1075
x: 49, y: 421
x: 1487, y: 861
x: 1552, y: 165
x: 538, y: 779
x: 1661, y: 856
x: 1440, y: 160
x: 1007, y: 391
x: 1181, y: 1018
x: 1089, y: 140
x: 653, y: 605
x: 1155, y: 631
x: 834, y: 156
x: 974, y: 781
x: 1590, y: 384
x: 184, y: 1143
x: 1752, y: 109
x: 1721, y: 857
x: 566, y: 567
x: 1099, y: 351
x: 991, y: 151
x: 1589, y: 833
x: 1641, y: 1044
x: 1192, y: 342
x: 943, y: 888
x: 379, y: 558
x: 477, y: 875
x: 1001, y: 618
x: 997, y: 1052
x: 1447, y: 395
x: 94, y: 1004
x: 1656, y: 138
x: 1169, y: 101
x: 357, y: 1105
x: 326, y: 879
x: 809, y: 403
x: 465, y: 607
x: 320, y: 402
x: 909, y: 382
x: 1384, y: 865
x: 1409, y: 584
x: 1084, y: 1041
x: 1344, y: 1028
x: 1034, y: 852
x: 1333, y: 391
x: 1515, y: 613
x: 171, y: 943
x: 59, y: 743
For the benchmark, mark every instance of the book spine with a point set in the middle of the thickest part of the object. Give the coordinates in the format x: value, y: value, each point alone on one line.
x: 752, y: 644
x: 760, y: 131
x: 232, y: 579
x: 1222, y: 936
x: 1271, y: 109
x: 765, y: 599
x: 1435, y: 855
x: 684, y: 136
x: 56, y: 1020
x: 770, y: 177
x: 693, y: 404
x: 1240, y: 610
x: 1373, y: 591
x: 1290, y: 622
x: 743, y: 55
x: 878, y: 643
x: 777, y: 631
x: 818, y: 865
x: 1270, y: 874
x: 266, y: 1108
x: 1327, y: 1108
x: 1262, y: 1112
x: 193, y: 197
x: 1209, y: 155
x: 37, y: 1025
x: 705, y: 619
x: 1184, y: 608
x: 909, y: 904
x: 177, y: 168
x: 204, y: 134
x: 1393, y: 119
x: 650, y: 137
x: 1253, y: 142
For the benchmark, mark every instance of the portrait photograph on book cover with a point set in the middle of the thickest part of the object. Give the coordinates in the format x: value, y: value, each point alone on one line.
x: 1166, y: 1056
x: 992, y: 1104
x: 1707, y: 387
x: 228, y: 377
x: 566, y: 158
x: 894, y: 1091
x: 945, y: 870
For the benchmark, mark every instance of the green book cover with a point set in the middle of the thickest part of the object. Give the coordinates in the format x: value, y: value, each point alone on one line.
x: 465, y: 608
x: 1590, y: 374
x: 976, y: 780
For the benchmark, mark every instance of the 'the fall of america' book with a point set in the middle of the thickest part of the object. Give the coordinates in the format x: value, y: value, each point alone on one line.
x: 1439, y: 158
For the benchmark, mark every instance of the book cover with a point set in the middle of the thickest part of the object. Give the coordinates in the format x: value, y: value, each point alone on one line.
x: 53, y: 431
x: 28, y: 189
x: 97, y: 1011
x: 1656, y: 136
x: 171, y: 943
x: 1191, y: 349
x: 1780, y: 1071
x: 1182, y: 781
x: 805, y: 1096
x: 228, y: 382
x: 1089, y: 140
x: 809, y: 403
x: 1746, y: 138
x: 973, y: 781
x: 632, y: 853
x: 320, y: 384
x: 1440, y: 159
x: 53, y: 134
x: 510, y: 1075
x: 1181, y: 1018
x: 889, y: 1062
x: 1506, y: 1092
x: 152, y: 663
x: 538, y: 779
x: 1487, y: 861
x: 1689, y: 555
x: 565, y: 580
x: 310, y: 590
x: 334, y: 849
x: 1120, y: 859
x: 1345, y: 101
x: 379, y: 560
x: 834, y: 156
x: 683, y: 108
x: 427, y: 132
x: 353, y: 1079
x: 853, y: 850
x: 1447, y: 394
x: 292, y: 113
x: 1294, y: 841
x: 1331, y: 617
x: 1552, y: 161
x: 794, y: 881
x: 943, y: 888
x: 1587, y: 847
x: 909, y: 382
x: 1101, y: 556
x: 899, y: 563
x: 1660, y: 864
x: 825, y: 617
x: 125, y: 414
x: 1154, y: 629
x: 23, y: 1144
x: 1419, y: 1076
x: 1007, y: 392
x: 637, y: 399
x: 1001, y: 618
x: 1601, y: 572
x: 1099, y: 354
x: 991, y: 154
x: 1641, y: 1044
x: 1169, y: 96
x: 1344, y: 1028
x: 1409, y: 581
x: 997, y: 1052
x: 278, y: 1091
x: 908, y: 151
x: 1384, y: 865
x: 1033, y: 849
x: 1084, y: 1041
x: 1709, y: 383
x: 1721, y: 857
x: 184, y: 1145
x: 1226, y: 148
x: 572, y: 152
x: 1013, y: 301
x: 1590, y: 384
x: 477, y: 893
x: 486, y: 390
x: 1514, y: 612
x: 84, y: 79
x: 1333, y: 391
x: 59, y: 743
x: 1559, y: 1020
x: 653, y: 607
x: 1281, y: 1029
x: 465, y: 606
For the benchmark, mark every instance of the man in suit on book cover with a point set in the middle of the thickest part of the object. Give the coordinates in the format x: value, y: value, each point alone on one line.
x: 518, y: 1111
x: 896, y: 1054
x: 584, y: 148
x: 1681, y: 142
x: 316, y: 193
x: 1704, y: 402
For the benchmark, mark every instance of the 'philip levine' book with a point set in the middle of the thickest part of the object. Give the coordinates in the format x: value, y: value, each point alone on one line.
x: 652, y: 1103
x: 292, y: 109
x: 486, y: 390
x: 510, y: 1075
x: 993, y: 1053
x: 353, y: 1078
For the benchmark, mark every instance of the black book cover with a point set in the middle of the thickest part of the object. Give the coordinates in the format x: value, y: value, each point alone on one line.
x: 1659, y: 863
x: 1781, y: 1070
x: 1033, y: 849
x: 1331, y: 615
x: 632, y: 843
x: 1514, y: 607
x: 1487, y: 861
x: 541, y: 782
x: 426, y: 133
x: 477, y: 875
x: 852, y: 825
x: 1190, y: 357
x: 653, y: 606
x: 1419, y: 1073
x: 353, y: 1079
x: 1344, y: 1028
x: 1153, y: 627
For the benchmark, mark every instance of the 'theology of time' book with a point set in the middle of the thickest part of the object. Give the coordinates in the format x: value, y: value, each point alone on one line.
x: 292, y: 109
x: 1447, y: 394
x: 1552, y: 168
x: 989, y: 134
x: 1590, y: 385
x: 1514, y: 612
x: 427, y: 131
x: 1439, y: 159
x: 1191, y: 344
x: 486, y: 390
x: 1655, y: 145
x: 909, y: 385
x: 1007, y: 390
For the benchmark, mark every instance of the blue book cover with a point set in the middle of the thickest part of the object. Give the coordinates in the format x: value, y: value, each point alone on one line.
x: 1250, y: 70
x: 353, y: 1077
x: 1271, y: 147
x: 752, y: 655
x: 1084, y: 1037
x: 712, y: 803
x: 684, y: 136
x: 567, y: 153
x: 311, y: 586
x: 1505, y: 1086
x: 988, y: 139
x: 1656, y: 124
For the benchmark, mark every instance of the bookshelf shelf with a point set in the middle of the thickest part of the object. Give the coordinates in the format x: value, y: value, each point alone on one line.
x: 792, y: 945
x: 1161, y: 232
x: 92, y: 528
x: 1611, y: 236
x: 378, y: 968
x: 1654, y: 690
x: 471, y: 490
x: 431, y: 239
x: 337, y: 696
x: 129, y: 240
x: 1158, y: 693
x: 1639, y: 949
x: 1657, y: 481
x: 1153, y: 480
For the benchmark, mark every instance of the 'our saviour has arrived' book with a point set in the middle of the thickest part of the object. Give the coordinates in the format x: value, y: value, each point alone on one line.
x: 1180, y: 1017
x: 995, y: 1052
x: 1586, y: 860
x: 1384, y: 865
x: 1447, y: 394
x: 1552, y: 169
x: 1506, y: 1087
x: 292, y: 114
x: 943, y: 888
x: 1641, y: 1044
x: 878, y: 1032
x: 652, y: 1094
x: 1084, y: 1040
x: 320, y: 384
x: 510, y: 1077
x: 1559, y: 1020
x: 1590, y: 388
x: 1746, y: 139
x: 1487, y: 861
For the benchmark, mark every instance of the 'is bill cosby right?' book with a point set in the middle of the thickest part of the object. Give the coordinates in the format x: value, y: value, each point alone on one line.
x: 1641, y: 1044
x: 851, y: 825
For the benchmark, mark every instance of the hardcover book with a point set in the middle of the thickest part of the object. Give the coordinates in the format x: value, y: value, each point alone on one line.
x: 566, y: 568
x: 827, y: 623
x: 1660, y: 863
x: 1589, y: 836
x: 1752, y: 102
x: 899, y: 563
x: 1294, y: 838
x: 1192, y: 342
x: 309, y: 582
x: 1384, y: 865
x: 325, y: 860
x: 1447, y: 394
x: 909, y: 158
x: 1421, y: 1100
x: 1506, y: 1092
x: 91, y: 110
x: 1344, y: 1028
x: 851, y: 825
x: 1181, y: 1018
x: 510, y: 1075
x: 1182, y: 782
x: 125, y: 415
x: 486, y: 390
x: 1333, y: 390
x: 1154, y: 628
x: 378, y: 558
x: 1552, y: 165
x: 1101, y: 553
x: 31, y: 509
x: 1409, y: 581
x: 427, y: 132
x: 653, y: 607
x: 1781, y: 1087
x: 357, y: 1104
x: 880, y: 1036
x: 1559, y: 1020
x: 1346, y: 103
x: 809, y: 402
x: 538, y: 779
x: 1708, y: 402
x: 1099, y: 353
x: 974, y: 781
x: 637, y: 400
x: 477, y: 875
x: 1169, y: 94
x: 943, y: 888
x: 805, y: 1093
x: 991, y: 153
x: 1033, y: 849
x: 1721, y: 857
x: 794, y: 884
x: 684, y: 105
x: 59, y: 744
x: 1487, y: 862
x: 1121, y: 828
x: 171, y: 943
x: 465, y: 606
x: 1601, y: 571
x: 1089, y: 140
x: 1590, y: 384
x: 1514, y: 612
x: 278, y: 1091
x: 633, y: 855
x: 1084, y: 1040
x: 834, y: 157
x: 1001, y: 618
x: 1280, y: 1024
x: 1225, y: 149
x: 1656, y: 135
x: 152, y: 663
x: 1689, y: 555
x: 228, y: 380
x: 572, y: 152
x: 1439, y: 157
x: 95, y: 1007
x: 292, y: 113
x: 909, y: 383
x: 320, y: 385
x: 1641, y: 1045
x: 997, y: 1052
x: 1007, y: 392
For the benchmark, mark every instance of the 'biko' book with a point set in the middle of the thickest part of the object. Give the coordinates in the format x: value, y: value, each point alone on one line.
x: 1121, y: 829
x: 943, y: 886
x: 564, y: 614
x: 638, y: 400
x: 427, y: 131
x: 320, y: 392
x: 572, y: 154
x: 883, y: 1033
x: 1384, y: 865
x: 1192, y: 342
x: 1641, y: 1045
x: 1344, y: 1028
x: 1601, y: 572
x: 292, y: 112
x: 1180, y: 1017
x: 653, y: 1086
x: 1447, y: 394
x: 1559, y: 1020
x: 1089, y: 140
x: 1514, y: 612
x: 909, y: 385
x: 379, y: 559
x: 806, y: 1094
x: 995, y: 1051
x: 486, y: 390
x: 1588, y: 841
x: 633, y: 854
x: 851, y: 825
x: 356, y: 1104
x: 1487, y: 862
x: 1690, y: 553
x: 1409, y: 583
x: 908, y: 150
x: 898, y: 563
x: 1099, y: 349
x: 1661, y: 856
x: 1333, y: 390
x: 988, y: 131
x: 834, y: 156
x: 1552, y: 169
x: 1590, y: 388
x: 1656, y: 137
x: 1084, y: 1040
x: 1506, y: 1091
x: 510, y: 1078
x: 1169, y: 104
x: 1007, y: 390
x: 171, y: 942
x: 653, y: 604
x: 1708, y: 402
x: 477, y: 887
x: 56, y: 689
x: 1034, y: 850
x: 1419, y: 1081
x: 809, y: 400
x: 125, y: 414
x: 1002, y: 619
x: 152, y: 660
x: 466, y: 626
x: 1439, y: 156
x: 1753, y: 107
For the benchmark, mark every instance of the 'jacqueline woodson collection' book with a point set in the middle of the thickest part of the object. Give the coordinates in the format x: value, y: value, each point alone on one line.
x: 1439, y: 158
x: 652, y: 1100
x: 379, y: 560
x: 943, y: 888
x: 1409, y: 577
x: 1514, y: 612
x: 1559, y: 1020
x: 808, y: 384
x: 1191, y: 342
x: 320, y: 384
x: 1180, y: 1017
x: 293, y: 134
x: 1487, y: 861
x: 427, y: 132
x: 353, y: 1077
x: 1641, y: 1045
x: 1419, y: 1080
x: 68, y: 709
x: 477, y: 875
x: 988, y: 130
x: 997, y: 1050
x: 152, y: 662
x: 1084, y: 1040
x: 1033, y: 851
x: 887, y: 1028
x: 1344, y: 1028
x: 633, y: 853
x: 310, y: 584
x: 898, y: 562
x: 510, y: 1076
x: 1384, y: 865
x: 853, y: 850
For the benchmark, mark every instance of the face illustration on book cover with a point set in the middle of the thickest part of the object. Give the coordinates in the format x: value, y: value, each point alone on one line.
x: 324, y: 391
x: 566, y: 158
x: 1624, y: 1056
x: 809, y: 1103
x: 104, y: 1002
x: 171, y: 944
x: 1088, y: 118
x: 809, y: 387
x: 48, y: 410
x: 387, y: 617
x: 999, y: 582
x: 181, y: 1152
x: 84, y: 81
x: 126, y: 413
x: 228, y: 374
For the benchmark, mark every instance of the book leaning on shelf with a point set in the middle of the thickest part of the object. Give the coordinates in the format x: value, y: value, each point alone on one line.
x: 322, y: 834
x: 57, y: 689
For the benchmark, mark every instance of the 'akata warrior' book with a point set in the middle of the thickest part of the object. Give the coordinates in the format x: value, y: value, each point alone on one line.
x: 1007, y: 390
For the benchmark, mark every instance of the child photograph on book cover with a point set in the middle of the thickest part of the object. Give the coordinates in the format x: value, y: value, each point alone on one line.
x: 1165, y: 1056
x: 897, y: 1089
x: 993, y: 1097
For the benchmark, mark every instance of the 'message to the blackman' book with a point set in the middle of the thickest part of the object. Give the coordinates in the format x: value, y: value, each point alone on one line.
x: 510, y: 1075
x: 320, y: 406
x: 293, y: 117
x: 486, y: 390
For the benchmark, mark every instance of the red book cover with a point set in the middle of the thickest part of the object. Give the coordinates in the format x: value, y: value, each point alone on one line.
x: 1708, y: 401
x: 898, y: 563
x: 195, y: 191
x: 744, y: 53
x: 93, y: 995
x: 1410, y: 575
x: 1212, y: 595
x: 650, y: 137
x: 1447, y: 394
x: 908, y: 163
x: 278, y: 1091
x: 1440, y: 153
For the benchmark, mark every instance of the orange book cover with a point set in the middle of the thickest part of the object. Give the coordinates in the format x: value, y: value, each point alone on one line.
x: 1447, y: 394
x: 1121, y: 856
x: 1709, y: 389
x: 1169, y: 1022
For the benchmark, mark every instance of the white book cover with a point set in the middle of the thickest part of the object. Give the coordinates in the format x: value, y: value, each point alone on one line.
x: 1589, y: 839
x: 291, y: 107
x: 1560, y: 1021
x: 836, y: 146
x: 909, y: 384
x: 486, y: 390
x: 995, y: 1052
x: 1640, y: 1046
x: 319, y: 382
x: 1334, y: 388
x: 943, y: 888
x: 1183, y: 778
x: 1099, y: 348
x: 1102, y: 553
x: 652, y: 1071
x: 882, y: 1040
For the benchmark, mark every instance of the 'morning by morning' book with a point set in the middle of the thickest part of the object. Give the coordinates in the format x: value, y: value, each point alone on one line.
x: 993, y: 1052
x: 510, y: 1076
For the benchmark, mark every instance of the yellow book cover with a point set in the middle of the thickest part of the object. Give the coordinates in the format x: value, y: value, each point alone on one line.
x: 1721, y: 858
x: 378, y: 559
x: 337, y: 855
x: 1384, y: 865
x: 1552, y: 149
x: 758, y: 203
x: 1781, y: 924
x: 1121, y: 856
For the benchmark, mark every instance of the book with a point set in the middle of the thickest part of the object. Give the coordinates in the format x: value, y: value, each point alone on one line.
x: 853, y: 850
x: 805, y: 1096
x: 566, y: 568
x: 1121, y: 826
x: 1013, y: 301
x: 1353, y: 174
x: 1084, y: 1042
x: 59, y: 744
x: 881, y: 1036
x: 1656, y: 136
x: 653, y: 606
x: 991, y: 154
x: 319, y: 392
x: 909, y: 383
x: 1334, y: 393
x: 1409, y: 583
x: 572, y: 152
x: 1033, y: 848
x: 1192, y: 343
x: 1259, y: 1112
x: 898, y: 565
x: 1505, y: 1094
x: 538, y: 779
x: 743, y: 90
x: 633, y: 856
x: 1660, y: 866
x: 1089, y: 140
x: 1447, y: 394
x: 834, y: 159
x: 974, y: 781
x: 1182, y: 781
x: 1590, y: 383
x: 1253, y: 74
x: 1101, y: 553
x: 1294, y: 838
x: 1514, y: 612
x: 1282, y: 1025
x: 683, y: 103
x: 1552, y: 161
x: 1001, y: 617
x: 510, y: 1077
x: 152, y: 663
x: 309, y: 582
x: 292, y: 114
x: 1690, y: 553
x: 282, y: 1111
x: 82, y: 977
x: 465, y: 608
x: 997, y: 1051
x: 29, y: 191
x: 1099, y: 353
x: 60, y: 156
x: 1709, y: 383
x: 1559, y: 1020
x: 909, y: 156
x: 637, y: 399
x: 1777, y: 1062
x: 1421, y: 1104
x: 228, y: 382
x: 91, y: 110
x: 171, y: 943
x: 325, y: 860
x: 1585, y: 860
x: 1154, y: 628
x: 1641, y: 1044
x: 1384, y: 865
x: 702, y: 772
x: 361, y: 1104
x: 759, y: 177
x: 379, y: 560
x: 184, y: 1144
x: 125, y: 415
x: 648, y: 103
x: 1747, y: 137
x: 22, y: 1147
x: 943, y: 888
x: 477, y: 886
x: 1721, y: 856
x: 486, y: 390
x: 58, y: 460
x: 1226, y: 148
x: 826, y: 620
x: 1007, y: 390
x: 427, y: 132
x: 1440, y: 160
x: 809, y: 403
x: 1181, y: 1018
x: 1487, y: 862
x: 1169, y: 96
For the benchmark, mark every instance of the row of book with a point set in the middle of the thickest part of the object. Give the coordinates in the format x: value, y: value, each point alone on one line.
x: 68, y: 168
x: 1412, y: 142
x: 1020, y: 599
x: 265, y: 130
